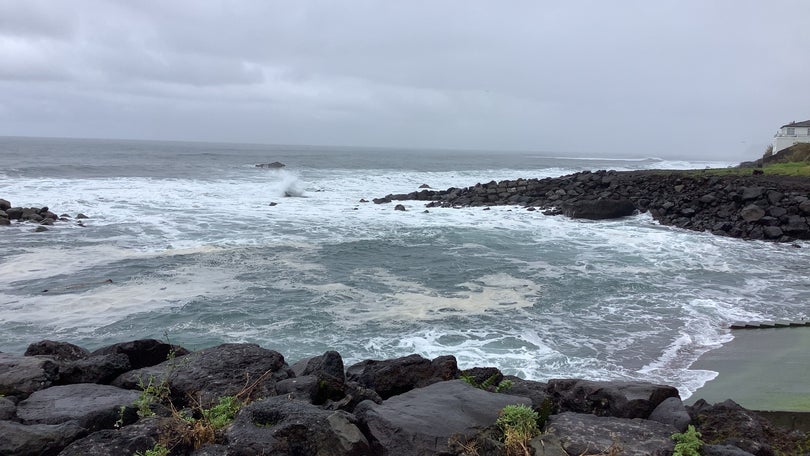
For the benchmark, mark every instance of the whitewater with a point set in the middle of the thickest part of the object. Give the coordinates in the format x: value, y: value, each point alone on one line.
x: 193, y: 242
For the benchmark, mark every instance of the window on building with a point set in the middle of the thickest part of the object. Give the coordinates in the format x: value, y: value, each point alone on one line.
x: 791, y: 131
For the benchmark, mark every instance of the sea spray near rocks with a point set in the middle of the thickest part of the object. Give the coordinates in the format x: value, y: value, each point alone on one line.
x: 757, y: 207
x: 186, y: 234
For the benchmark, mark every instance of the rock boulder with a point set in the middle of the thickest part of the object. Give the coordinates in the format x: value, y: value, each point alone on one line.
x: 422, y: 421
x: 92, y: 406
x: 281, y: 426
x: 22, y: 375
x: 396, y: 376
x: 589, y: 434
x: 617, y: 399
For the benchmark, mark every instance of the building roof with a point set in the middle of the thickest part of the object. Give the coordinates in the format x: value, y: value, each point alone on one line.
x: 804, y: 123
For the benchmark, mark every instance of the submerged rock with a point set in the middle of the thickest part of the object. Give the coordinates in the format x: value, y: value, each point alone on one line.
x: 274, y: 164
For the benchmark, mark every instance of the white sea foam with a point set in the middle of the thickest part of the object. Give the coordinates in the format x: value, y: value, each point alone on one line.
x: 88, y: 309
x: 537, y: 296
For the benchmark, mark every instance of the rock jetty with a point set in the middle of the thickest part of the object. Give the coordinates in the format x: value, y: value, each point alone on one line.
x: 145, y: 395
x: 767, y: 207
x: 42, y: 216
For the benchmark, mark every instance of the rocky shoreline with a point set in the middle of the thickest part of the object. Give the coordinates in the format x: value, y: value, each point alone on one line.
x: 144, y: 395
x: 41, y: 216
x: 762, y: 207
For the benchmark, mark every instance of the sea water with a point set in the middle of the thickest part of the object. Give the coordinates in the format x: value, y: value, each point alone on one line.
x: 184, y: 242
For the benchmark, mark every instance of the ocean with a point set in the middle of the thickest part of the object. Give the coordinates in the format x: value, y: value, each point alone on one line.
x: 191, y: 242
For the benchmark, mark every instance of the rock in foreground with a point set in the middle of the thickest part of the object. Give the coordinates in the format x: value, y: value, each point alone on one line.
x: 403, y: 406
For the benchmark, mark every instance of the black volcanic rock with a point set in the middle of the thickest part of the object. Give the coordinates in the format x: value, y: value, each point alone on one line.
x: 600, y: 209
x: 396, y: 376
x: 723, y: 205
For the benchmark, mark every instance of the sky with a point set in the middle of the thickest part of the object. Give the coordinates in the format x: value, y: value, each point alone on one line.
x: 691, y: 79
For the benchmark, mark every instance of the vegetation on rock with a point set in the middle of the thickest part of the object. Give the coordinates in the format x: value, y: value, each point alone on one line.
x: 519, y: 425
x: 687, y: 443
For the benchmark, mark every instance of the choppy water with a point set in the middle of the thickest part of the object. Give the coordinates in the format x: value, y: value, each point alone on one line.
x: 194, y: 249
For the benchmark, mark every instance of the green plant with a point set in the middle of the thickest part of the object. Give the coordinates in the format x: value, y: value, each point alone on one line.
x: 488, y: 384
x: 223, y: 413
x: 519, y: 425
x: 157, y: 450
x: 504, y: 385
x: 687, y: 443
x: 152, y: 392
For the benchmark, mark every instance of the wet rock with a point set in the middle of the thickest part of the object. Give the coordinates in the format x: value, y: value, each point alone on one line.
x: 92, y: 406
x: 94, y: 369
x: 618, y: 399
x: 672, y: 411
x: 7, y: 408
x: 422, y: 421
x: 727, y: 423
x: 303, y: 388
x: 600, y: 209
x: 751, y: 193
x: 772, y: 232
x: 22, y: 375
x: 329, y: 372
x: 207, y: 375
x: 590, y: 434
x: 752, y: 213
x: 399, y: 207
x: 281, y: 426
x: 273, y: 165
x: 722, y: 450
x: 60, y: 351
x: 14, y: 213
x: 212, y: 450
x: 396, y: 376
x: 144, y: 352
x: 381, y: 200
x: 536, y: 391
x: 139, y: 437
x: 4, y: 205
x: 39, y: 439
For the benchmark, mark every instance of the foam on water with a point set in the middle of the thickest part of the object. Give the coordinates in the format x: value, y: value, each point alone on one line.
x: 205, y: 256
x: 93, y: 308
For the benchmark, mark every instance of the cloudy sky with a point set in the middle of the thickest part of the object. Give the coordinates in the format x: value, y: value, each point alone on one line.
x: 668, y: 78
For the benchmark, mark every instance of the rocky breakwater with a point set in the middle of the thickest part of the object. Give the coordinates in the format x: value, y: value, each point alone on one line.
x: 242, y: 399
x: 764, y: 207
x: 40, y: 216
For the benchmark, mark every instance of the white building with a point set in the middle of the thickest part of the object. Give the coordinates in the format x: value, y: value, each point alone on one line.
x: 790, y: 134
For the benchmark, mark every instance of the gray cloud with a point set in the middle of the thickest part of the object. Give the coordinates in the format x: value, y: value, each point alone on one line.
x: 630, y: 78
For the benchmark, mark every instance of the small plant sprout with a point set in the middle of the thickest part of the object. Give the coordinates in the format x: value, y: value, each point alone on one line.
x: 519, y: 425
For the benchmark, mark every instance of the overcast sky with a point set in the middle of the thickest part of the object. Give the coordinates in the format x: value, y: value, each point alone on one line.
x: 691, y: 79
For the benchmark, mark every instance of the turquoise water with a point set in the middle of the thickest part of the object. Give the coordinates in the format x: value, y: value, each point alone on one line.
x: 194, y: 251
